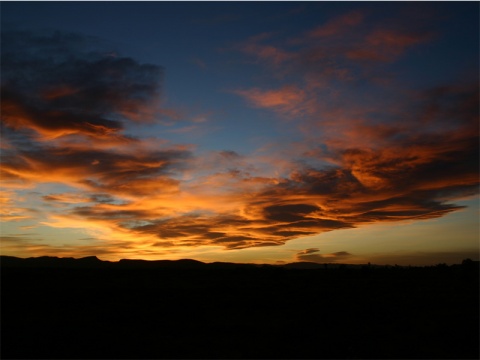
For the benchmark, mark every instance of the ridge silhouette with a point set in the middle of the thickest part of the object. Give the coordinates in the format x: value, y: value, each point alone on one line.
x: 66, y: 308
x: 94, y: 262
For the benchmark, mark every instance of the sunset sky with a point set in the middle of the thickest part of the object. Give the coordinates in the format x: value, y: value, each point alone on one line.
x: 264, y: 132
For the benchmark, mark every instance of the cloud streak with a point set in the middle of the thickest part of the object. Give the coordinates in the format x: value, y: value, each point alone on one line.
x: 314, y: 255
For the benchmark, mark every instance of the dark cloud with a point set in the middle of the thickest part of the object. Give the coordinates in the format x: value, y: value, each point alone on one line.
x: 102, y: 198
x: 290, y: 234
x: 229, y: 155
x: 110, y: 171
x: 288, y: 213
x: 58, y: 84
x: 309, y: 251
x: 65, y: 104
x: 314, y: 255
x: 114, y: 215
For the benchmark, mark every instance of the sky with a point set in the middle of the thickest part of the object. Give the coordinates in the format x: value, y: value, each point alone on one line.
x: 255, y: 132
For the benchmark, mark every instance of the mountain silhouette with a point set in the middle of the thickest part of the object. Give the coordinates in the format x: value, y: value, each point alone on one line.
x: 66, y: 308
x: 94, y: 262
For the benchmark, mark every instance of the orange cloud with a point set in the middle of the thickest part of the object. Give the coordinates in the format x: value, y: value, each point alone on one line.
x: 128, y: 174
x: 59, y: 91
x: 52, y: 124
x: 385, y: 45
x: 9, y: 211
x: 267, y: 53
x: 338, y: 25
x: 314, y: 255
x: 344, y: 49
x: 286, y: 99
x: 83, y: 94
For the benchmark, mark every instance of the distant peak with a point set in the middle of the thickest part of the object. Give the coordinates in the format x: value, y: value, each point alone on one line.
x: 89, y: 258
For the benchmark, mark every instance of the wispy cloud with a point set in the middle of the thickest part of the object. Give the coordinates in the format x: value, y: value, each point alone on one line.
x: 9, y: 211
x: 314, y: 255
x: 385, y: 45
x: 340, y: 25
x: 255, y: 46
x: 288, y: 99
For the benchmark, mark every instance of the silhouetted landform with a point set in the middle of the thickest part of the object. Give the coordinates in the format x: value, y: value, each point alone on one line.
x: 65, y: 308
x: 94, y: 262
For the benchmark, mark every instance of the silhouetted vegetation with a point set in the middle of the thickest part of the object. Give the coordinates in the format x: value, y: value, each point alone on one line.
x: 85, y: 308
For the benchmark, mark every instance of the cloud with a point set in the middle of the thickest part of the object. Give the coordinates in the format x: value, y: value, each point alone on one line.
x: 352, y: 47
x: 308, y: 251
x: 403, y: 169
x: 9, y: 211
x: 385, y: 45
x: 338, y: 25
x: 410, y: 177
x: 75, y: 198
x: 287, y: 99
x: 314, y: 255
x: 22, y: 246
x: 357, y: 162
x: 65, y: 106
x: 130, y: 174
x: 265, y: 52
x: 289, y: 213
x: 364, y: 160
x: 58, y: 85
x: 354, y: 36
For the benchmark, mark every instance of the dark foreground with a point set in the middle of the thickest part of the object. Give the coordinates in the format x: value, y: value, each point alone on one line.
x: 257, y: 312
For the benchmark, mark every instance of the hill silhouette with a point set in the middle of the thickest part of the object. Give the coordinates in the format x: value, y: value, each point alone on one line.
x: 64, y: 308
x: 94, y: 262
